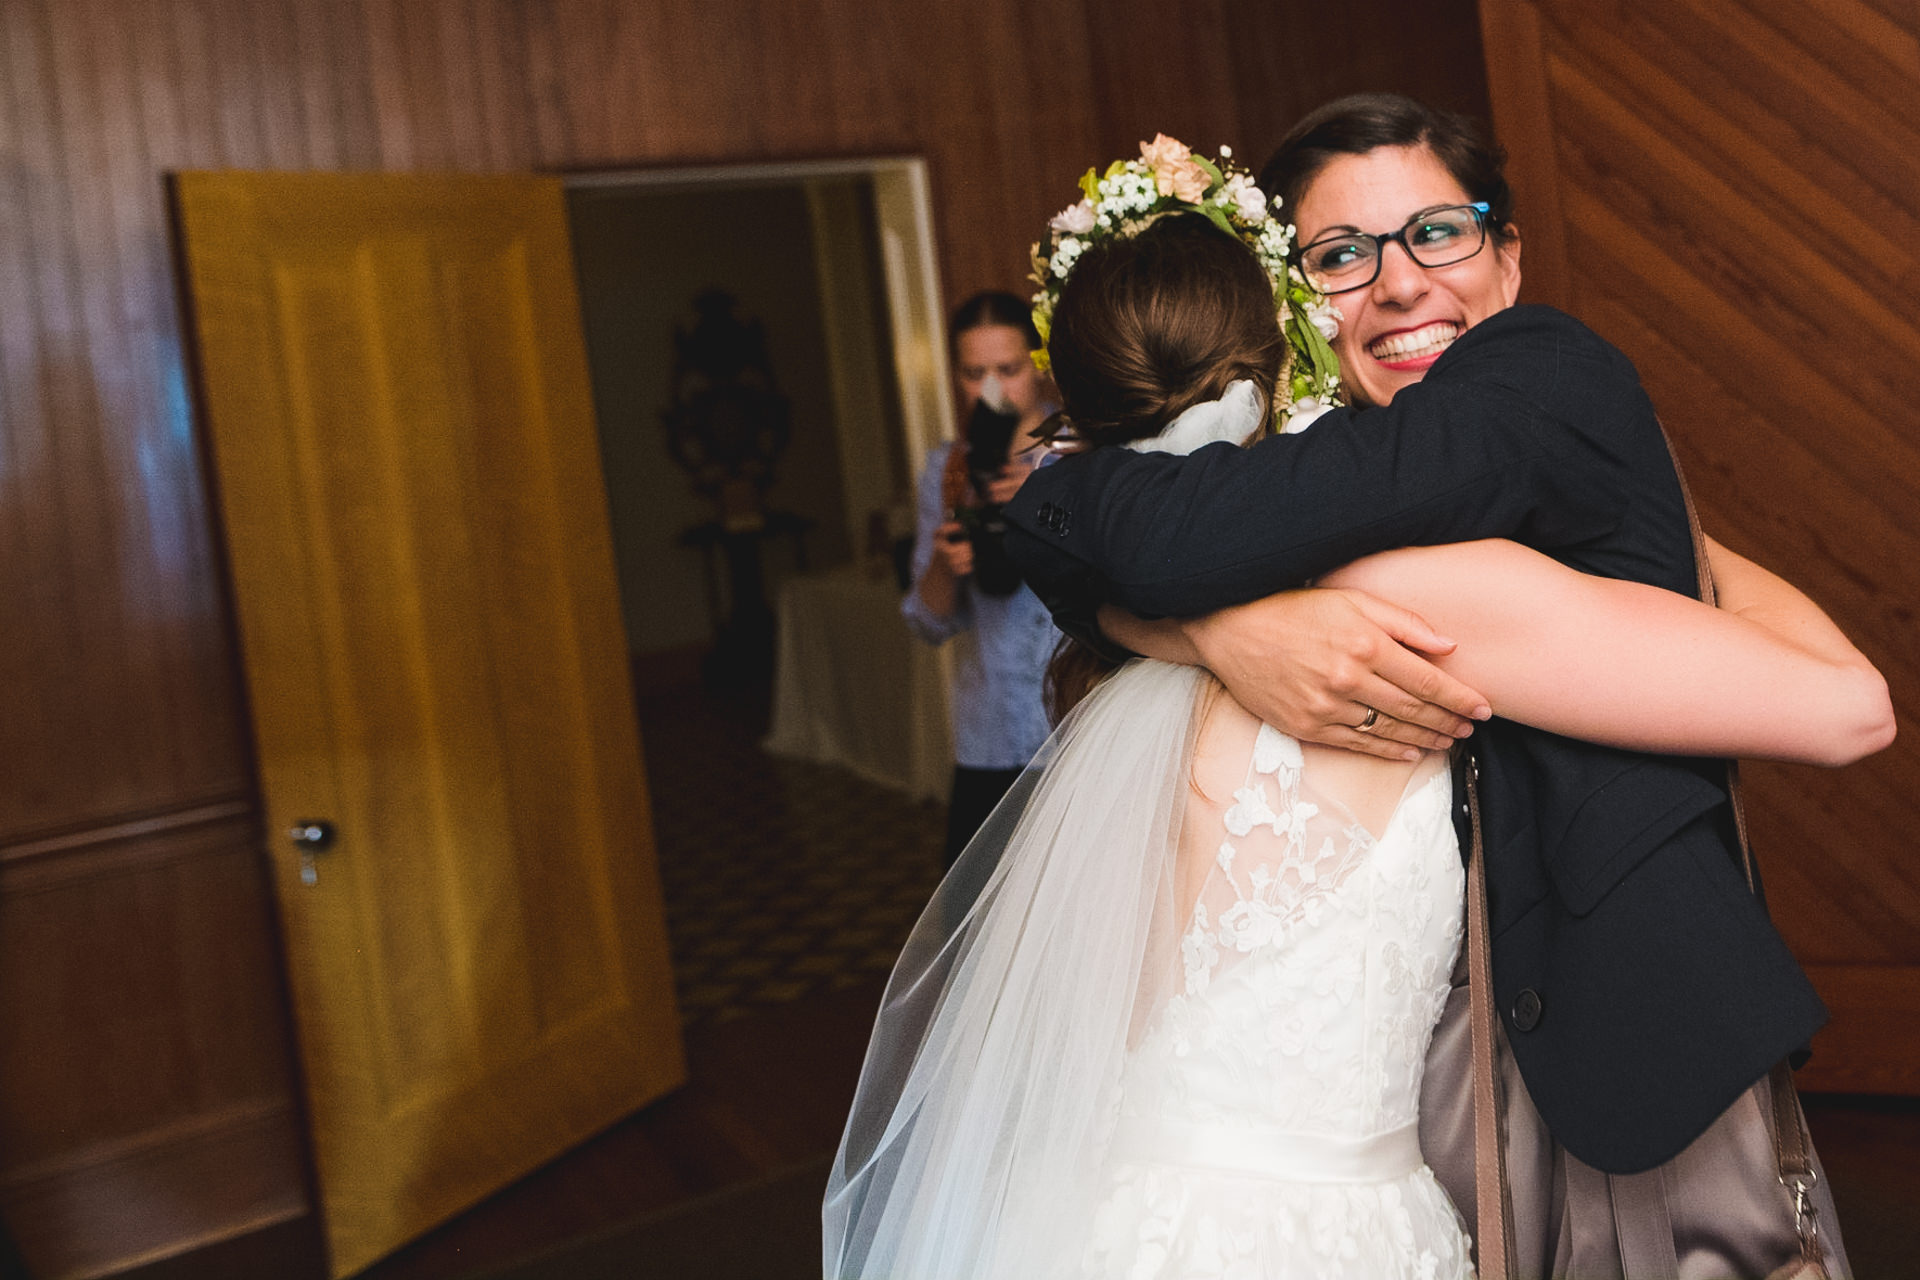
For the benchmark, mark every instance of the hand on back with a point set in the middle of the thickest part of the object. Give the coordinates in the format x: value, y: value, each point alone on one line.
x: 1312, y: 663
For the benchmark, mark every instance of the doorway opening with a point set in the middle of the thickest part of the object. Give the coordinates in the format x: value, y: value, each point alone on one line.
x: 817, y: 282
x: 767, y: 353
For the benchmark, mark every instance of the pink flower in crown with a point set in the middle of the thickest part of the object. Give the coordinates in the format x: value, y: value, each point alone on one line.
x: 1188, y: 181
x: 1175, y: 172
x: 1075, y: 219
x: 1164, y: 151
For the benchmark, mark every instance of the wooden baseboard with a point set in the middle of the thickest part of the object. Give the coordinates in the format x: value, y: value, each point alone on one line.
x: 105, y: 1210
x: 290, y: 1250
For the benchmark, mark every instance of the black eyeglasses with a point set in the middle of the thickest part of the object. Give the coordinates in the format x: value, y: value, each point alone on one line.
x: 1437, y: 238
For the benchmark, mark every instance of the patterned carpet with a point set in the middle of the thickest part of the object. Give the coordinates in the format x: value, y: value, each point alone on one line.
x: 781, y: 878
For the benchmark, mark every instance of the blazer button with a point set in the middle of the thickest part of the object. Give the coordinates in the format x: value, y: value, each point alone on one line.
x: 1526, y: 1010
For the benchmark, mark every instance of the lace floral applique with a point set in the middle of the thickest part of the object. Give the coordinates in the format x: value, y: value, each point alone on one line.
x: 1250, y: 810
x: 1285, y: 890
x: 1274, y: 751
x: 1198, y: 955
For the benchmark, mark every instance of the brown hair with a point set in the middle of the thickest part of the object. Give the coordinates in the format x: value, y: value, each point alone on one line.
x: 985, y: 311
x: 1147, y: 326
x: 1363, y: 122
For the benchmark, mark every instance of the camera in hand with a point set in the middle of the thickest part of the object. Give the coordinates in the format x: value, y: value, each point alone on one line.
x: 990, y: 432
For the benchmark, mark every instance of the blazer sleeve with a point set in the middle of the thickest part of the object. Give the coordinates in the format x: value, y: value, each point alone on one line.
x: 1517, y: 432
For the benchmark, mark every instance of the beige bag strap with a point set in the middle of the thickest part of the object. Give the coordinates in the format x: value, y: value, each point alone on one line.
x: 1491, y: 1199
x: 1792, y: 1147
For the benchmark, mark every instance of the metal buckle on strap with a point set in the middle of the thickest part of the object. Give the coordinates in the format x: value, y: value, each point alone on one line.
x: 1806, y: 1215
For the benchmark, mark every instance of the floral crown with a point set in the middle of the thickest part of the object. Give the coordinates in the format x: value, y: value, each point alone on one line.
x: 1169, y: 178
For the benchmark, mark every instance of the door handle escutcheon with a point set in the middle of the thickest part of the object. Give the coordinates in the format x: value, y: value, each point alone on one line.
x: 311, y: 836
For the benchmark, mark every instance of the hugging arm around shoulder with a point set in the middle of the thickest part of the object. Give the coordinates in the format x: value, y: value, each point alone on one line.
x: 1512, y: 434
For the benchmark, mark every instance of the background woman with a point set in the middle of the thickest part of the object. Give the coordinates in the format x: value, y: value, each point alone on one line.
x: 998, y: 716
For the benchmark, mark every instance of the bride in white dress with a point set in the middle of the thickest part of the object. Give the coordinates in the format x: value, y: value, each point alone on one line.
x: 1179, y: 1028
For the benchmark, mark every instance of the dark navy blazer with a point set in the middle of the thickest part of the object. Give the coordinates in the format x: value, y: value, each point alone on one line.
x: 1642, y: 986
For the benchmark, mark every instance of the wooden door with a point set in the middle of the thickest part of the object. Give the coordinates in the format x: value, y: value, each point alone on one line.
x: 1726, y: 192
x: 394, y: 388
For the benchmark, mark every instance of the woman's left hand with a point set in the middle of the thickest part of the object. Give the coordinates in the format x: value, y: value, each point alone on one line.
x: 1313, y: 664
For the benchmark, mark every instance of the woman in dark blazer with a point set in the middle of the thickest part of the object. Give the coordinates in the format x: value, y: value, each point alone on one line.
x: 1643, y: 992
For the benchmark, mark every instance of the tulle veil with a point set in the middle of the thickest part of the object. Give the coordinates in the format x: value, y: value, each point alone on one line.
x: 981, y: 1120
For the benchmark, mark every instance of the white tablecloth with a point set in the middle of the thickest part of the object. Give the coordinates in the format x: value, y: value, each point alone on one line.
x: 853, y: 687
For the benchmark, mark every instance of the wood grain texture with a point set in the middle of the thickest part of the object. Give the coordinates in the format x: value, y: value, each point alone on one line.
x: 119, y: 693
x: 1736, y: 184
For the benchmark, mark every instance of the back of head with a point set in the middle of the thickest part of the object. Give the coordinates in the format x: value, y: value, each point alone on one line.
x: 1150, y: 325
x: 995, y: 307
x: 1363, y: 122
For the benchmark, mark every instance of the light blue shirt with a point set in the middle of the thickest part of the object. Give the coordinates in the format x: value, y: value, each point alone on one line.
x: 999, y: 715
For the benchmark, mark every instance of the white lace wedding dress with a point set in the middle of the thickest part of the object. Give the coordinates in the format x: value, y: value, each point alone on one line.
x: 1268, y: 1115
x: 1166, y: 1019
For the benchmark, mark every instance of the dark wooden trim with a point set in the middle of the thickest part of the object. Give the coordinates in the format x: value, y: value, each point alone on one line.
x: 129, y: 843
x: 109, y: 1207
x: 125, y: 828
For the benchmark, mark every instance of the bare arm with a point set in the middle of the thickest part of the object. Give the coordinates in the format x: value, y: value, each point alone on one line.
x: 1629, y: 665
x: 1311, y: 663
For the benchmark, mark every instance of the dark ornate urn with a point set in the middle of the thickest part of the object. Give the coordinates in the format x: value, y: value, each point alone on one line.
x: 727, y: 426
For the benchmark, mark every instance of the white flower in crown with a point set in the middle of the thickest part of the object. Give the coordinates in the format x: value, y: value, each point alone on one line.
x: 1065, y: 256
x: 1075, y: 219
x: 1247, y: 199
x: 1326, y: 318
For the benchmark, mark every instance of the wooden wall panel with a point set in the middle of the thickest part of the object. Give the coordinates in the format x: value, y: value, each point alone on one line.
x: 1730, y: 190
x: 142, y: 1056
x: 148, y: 977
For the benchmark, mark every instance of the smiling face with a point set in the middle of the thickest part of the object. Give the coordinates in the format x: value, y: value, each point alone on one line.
x: 998, y: 349
x: 1395, y: 328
